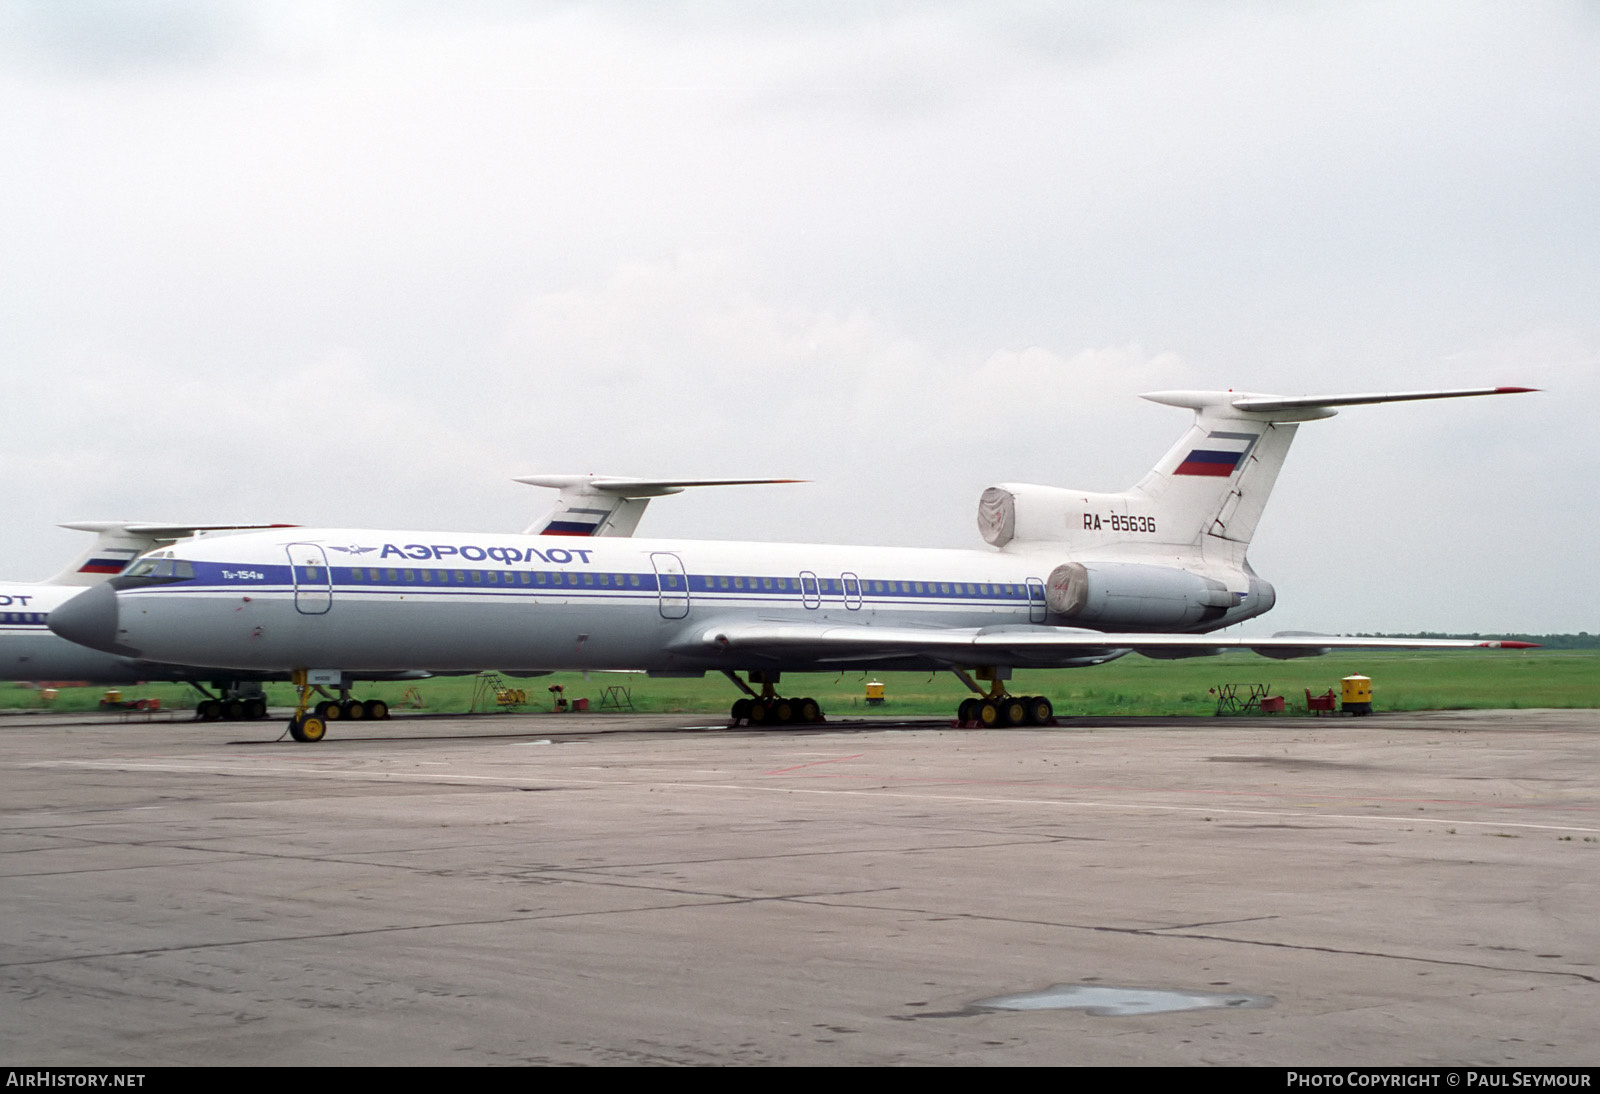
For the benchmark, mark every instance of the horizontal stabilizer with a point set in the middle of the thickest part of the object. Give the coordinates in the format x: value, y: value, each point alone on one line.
x: 1276, y: 402
x: 622, y: 487
x: 1301, y: 408
x: 610, y: 505
x: 158, y: 531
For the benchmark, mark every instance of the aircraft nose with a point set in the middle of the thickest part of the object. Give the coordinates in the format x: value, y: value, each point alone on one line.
x: 90, y: 619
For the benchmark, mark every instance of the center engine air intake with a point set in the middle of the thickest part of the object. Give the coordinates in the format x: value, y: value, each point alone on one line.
x: 1135, y: 596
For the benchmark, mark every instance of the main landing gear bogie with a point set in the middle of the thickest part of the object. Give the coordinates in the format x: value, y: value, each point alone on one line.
x: 312, y: 725
x: 1003, y: 711
x: 351, y: 710
x: 776, y: 711
x: 310, y: 722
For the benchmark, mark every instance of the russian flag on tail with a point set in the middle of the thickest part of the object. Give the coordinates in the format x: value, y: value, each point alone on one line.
x: 1220, y: 457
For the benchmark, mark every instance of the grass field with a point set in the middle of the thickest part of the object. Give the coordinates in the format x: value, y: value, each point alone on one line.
x: 1488, y: 679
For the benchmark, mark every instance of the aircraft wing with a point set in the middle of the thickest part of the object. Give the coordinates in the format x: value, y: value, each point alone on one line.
x: 1038, y: 645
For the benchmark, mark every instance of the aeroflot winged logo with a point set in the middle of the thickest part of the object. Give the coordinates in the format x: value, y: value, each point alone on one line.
x: 1223, y: 453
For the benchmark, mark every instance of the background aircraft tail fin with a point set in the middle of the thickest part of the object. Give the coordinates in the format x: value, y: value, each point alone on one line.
x: 119, y: 542
x: 610, y: 505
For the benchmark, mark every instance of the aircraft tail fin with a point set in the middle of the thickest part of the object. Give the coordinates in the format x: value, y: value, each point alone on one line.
x: 610, y: 505
x: 1212, y: 485
x: 1216, y: 480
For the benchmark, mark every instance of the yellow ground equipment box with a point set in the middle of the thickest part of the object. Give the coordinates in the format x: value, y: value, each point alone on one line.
x: 1355, y: 694
x: 874, y: 692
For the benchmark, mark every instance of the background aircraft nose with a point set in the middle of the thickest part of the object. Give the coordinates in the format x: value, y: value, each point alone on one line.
x: 90, y: 619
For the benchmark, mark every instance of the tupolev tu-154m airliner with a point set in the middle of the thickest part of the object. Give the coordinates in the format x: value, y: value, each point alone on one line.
x: 1072, y: 578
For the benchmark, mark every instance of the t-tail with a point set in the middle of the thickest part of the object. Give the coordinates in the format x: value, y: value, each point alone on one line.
x: 1197, y: 508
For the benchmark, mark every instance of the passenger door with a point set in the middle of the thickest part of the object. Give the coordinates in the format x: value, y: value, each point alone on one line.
x: 313, y: 579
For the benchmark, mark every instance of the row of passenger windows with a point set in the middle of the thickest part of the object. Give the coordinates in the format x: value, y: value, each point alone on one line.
x: 490, y: 577
x: 22, y: 617
x: 698, y: 583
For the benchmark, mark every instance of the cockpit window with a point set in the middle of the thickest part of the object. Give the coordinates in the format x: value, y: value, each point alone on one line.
x: 154, y: 571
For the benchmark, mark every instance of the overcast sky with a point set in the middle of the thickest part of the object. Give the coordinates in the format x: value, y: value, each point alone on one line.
x: 361, y: 263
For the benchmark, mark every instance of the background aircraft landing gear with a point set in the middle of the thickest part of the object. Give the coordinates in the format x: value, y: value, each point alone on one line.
x: 237, y: 703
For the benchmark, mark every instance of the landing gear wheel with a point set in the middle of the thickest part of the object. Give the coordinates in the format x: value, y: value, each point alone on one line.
x: 328, y: 711
x: 307, y: 727
x: 967, y: 711
x: 741, y: 710
x: 351, y: 709
x: 760, y: 712
x: 783, y: 711
x: 987, y: 713
x: 209, y: 710
x: 375, y: 710
x: 806, y: 710
x: 1039, y: 710
x: 1013, y: 711
x: 255, y: 709
x: 233, y: 710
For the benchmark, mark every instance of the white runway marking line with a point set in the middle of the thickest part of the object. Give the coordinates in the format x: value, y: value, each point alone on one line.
x: 1207, y: 811
x: 507, y: 780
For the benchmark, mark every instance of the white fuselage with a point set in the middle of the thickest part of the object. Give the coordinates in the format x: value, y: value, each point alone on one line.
x: 372, y: 601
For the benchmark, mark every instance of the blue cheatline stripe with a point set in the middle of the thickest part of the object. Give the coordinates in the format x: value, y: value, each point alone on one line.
x: 212, y: 577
